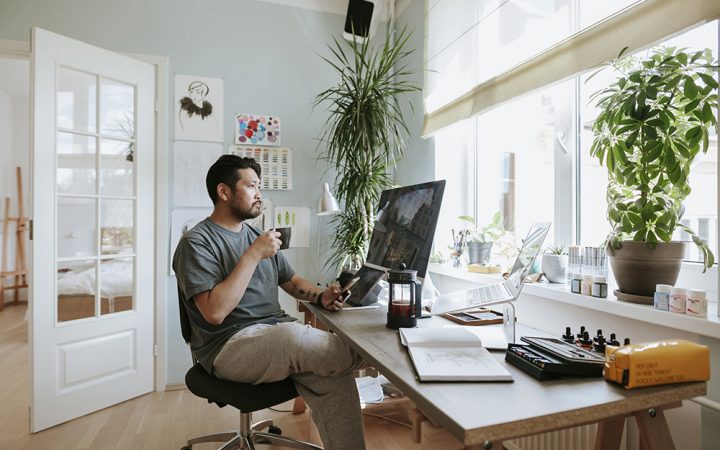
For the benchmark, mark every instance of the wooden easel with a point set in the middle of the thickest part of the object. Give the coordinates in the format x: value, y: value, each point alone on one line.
x: 19, y: 275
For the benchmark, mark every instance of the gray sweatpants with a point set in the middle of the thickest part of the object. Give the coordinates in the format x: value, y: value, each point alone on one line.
x: 321, y: 365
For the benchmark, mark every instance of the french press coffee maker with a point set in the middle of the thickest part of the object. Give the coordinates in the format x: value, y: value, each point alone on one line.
x: 405, y: 300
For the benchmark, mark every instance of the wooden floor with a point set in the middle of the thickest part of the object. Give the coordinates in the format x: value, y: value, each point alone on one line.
x: 155, y: 421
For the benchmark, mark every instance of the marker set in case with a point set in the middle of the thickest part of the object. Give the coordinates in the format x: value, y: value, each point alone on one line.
x: 549, y: 358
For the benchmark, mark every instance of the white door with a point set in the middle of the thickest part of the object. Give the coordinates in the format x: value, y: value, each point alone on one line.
x: 91, y: 291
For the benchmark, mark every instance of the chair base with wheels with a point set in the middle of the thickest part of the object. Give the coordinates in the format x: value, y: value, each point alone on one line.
x: 247, y: 398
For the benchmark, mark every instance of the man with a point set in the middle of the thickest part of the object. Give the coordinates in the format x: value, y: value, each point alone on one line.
x: 227, y: 274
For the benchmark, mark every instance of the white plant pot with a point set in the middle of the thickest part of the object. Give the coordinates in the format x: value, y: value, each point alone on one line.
x: 554, y: 266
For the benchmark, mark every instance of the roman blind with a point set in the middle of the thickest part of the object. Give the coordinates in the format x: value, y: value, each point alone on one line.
x: 475, y: 50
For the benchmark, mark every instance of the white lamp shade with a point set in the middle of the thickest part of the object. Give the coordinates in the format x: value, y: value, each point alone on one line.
x: 327, y: 204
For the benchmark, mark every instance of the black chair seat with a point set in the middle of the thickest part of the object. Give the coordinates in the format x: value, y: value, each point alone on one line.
x: 243, y: 396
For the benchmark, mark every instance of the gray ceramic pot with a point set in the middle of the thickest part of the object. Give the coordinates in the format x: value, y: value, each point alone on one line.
x: 479, y: 252
x: 638, y: 268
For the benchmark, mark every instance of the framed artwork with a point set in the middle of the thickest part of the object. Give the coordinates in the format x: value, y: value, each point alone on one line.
x: 275, y: 165
x: 198, y: 108
x: 191, y: 161
x: 257, y: 129
x: 182, y: 221
x: 297, y: 218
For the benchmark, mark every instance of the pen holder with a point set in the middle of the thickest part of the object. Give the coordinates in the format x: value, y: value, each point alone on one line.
x: 405, y: 298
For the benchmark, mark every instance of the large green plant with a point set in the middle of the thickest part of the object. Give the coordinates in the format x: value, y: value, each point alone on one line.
x: 653, y: 122
x: 363, y: 137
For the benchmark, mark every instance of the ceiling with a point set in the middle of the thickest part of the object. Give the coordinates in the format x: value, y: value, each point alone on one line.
x: 340, y: 6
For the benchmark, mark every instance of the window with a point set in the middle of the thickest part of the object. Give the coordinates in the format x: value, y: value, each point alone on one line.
x: 530, y: 160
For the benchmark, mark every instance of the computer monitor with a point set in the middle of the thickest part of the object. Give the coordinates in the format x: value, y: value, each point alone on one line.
x: 403, y: 233
x: 404, y: 228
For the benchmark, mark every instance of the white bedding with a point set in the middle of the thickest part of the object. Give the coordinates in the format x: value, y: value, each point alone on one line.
x: 115, y: 276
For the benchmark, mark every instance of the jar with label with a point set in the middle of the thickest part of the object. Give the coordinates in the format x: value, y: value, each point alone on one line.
x: 661, y: 300
x: 678, y: 300
x: 599, y: 287
x: 575, y: 283
x: 586, y: 285
x: 696, y: 303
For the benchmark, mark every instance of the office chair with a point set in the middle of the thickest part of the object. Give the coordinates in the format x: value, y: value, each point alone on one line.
x: 246, y: 397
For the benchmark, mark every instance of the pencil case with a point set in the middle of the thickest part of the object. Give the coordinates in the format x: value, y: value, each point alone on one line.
x: 653, y: 363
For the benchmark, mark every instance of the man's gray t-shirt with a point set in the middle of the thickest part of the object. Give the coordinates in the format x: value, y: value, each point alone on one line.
x: 204, y: 257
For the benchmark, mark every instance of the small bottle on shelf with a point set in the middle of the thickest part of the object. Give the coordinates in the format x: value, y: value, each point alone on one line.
x: 696, y: 303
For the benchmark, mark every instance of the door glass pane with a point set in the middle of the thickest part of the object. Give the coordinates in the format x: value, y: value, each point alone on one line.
x: 76, y: 228
x: 76, y: 288
x: 117, y: 281
x: 117, y: 109
x: 117, y: 226
x: 117, y: 168
x: 75, y: 163
x: 77, y: 100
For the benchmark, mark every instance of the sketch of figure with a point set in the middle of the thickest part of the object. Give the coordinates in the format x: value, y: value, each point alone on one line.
x: 195, y: 104
x: 199, y: 103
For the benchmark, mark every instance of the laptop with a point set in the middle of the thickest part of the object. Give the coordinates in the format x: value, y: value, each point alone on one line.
x: 502, y: 292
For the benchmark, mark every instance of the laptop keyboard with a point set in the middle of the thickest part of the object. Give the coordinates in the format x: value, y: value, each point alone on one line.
x: 485, y: 294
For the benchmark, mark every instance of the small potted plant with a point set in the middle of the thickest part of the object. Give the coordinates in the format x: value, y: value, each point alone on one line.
x: 554, y: 263
x: 480, y: 240
x: 654, y: 120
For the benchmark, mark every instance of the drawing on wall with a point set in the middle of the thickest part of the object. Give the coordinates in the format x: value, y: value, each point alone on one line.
x: 265, y: 220
x: 298, y: 219
x: 198, y: 108
x: 191, y: 161
x: 182, y: 221
x: 275, y: 165
x: 257, y: 129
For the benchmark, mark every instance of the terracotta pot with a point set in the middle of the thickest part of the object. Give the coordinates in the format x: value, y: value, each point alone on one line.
x: 638, y: 268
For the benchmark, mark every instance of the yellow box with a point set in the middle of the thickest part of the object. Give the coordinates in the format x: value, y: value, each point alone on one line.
x: 653, y: 363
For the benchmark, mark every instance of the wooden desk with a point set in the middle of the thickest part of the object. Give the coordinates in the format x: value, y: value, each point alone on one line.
x: 479, y: 414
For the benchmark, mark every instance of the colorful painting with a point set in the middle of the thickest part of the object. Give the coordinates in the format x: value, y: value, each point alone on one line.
x: 257, y: 129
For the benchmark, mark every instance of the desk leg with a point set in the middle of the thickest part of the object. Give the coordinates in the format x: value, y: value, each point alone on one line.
x: 609, y: 434
x: 654, y: 431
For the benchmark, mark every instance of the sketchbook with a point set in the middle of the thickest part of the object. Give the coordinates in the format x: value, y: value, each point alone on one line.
x: 451, y: 354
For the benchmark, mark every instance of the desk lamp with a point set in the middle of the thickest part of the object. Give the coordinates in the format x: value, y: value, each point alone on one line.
x: 327, y: 205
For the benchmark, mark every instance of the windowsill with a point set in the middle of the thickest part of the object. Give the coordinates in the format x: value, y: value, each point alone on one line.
x: 709, y: 326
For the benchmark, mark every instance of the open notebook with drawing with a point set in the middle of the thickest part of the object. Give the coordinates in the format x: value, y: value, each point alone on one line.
x: 504, y: 291
x: 451, y: 354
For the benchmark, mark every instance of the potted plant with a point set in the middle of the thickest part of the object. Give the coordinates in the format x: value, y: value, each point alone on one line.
x: 653, y: 122
x: 554, y: 263
x: 479, y: 241
x: 363, y: 136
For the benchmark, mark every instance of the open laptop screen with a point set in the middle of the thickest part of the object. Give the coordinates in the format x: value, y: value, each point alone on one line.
x: 526, y: 257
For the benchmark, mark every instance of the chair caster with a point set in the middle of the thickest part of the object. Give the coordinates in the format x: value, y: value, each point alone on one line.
x: 274, y: 430
x: 186, y: 448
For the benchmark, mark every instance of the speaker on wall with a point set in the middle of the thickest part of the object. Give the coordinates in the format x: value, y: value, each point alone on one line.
x: 357, y: 21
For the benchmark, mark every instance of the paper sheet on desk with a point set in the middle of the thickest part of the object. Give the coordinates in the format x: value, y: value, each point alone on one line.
x: 369, y: 389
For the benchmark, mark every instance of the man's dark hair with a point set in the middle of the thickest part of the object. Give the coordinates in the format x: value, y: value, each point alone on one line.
x: 225, y: 170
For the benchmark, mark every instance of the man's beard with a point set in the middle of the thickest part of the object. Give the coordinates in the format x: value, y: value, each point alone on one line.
x: 242, y: 214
